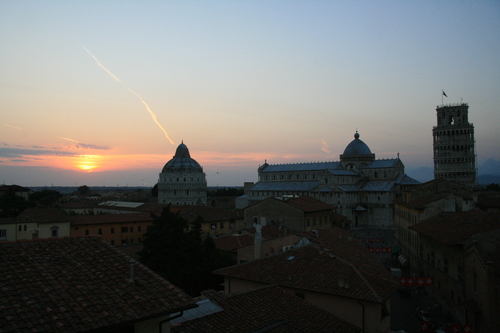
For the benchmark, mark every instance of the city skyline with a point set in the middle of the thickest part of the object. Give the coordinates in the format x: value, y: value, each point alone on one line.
x: 103, y: 93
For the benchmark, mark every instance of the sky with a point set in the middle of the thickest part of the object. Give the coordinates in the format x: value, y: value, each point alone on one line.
x: 101, y: 93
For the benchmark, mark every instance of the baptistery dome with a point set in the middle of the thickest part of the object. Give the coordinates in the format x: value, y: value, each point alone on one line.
x: 357, y: 147
x: 182, y: 161
x: 182, y: 180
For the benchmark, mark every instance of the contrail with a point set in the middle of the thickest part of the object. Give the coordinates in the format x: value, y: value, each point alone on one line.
x: 60, y: 137
x: 153, y: 116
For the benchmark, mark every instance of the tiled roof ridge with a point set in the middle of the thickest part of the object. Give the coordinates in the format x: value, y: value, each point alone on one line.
x: 257, y: 260
x: 360, y: 274
x: 102, y: 243
x: 46, y: 239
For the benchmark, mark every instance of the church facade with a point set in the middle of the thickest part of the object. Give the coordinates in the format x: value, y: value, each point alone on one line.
x: 182, y: 180
x: 359, y: 186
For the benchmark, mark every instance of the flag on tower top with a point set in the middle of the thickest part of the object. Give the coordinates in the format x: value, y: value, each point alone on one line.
x: 444, y: 94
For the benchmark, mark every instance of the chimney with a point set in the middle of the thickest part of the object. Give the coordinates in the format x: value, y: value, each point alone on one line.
x: 257, y: 241
x: 132, y: 262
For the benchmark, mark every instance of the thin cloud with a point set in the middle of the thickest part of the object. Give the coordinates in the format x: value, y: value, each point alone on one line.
x: 85, y: 145
x: 20, y: 152
x: 325, y: 147
x: 12, y: 126
x: 91, y: 146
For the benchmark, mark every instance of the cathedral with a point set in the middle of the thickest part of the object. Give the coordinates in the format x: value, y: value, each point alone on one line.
x: 182, y: 180
x: 359, y: 186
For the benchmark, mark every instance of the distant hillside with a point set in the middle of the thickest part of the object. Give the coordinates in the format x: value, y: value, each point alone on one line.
x: 422, y: 174
x: 489, y: 172
x: 490, y: 167
x: 488, y: 179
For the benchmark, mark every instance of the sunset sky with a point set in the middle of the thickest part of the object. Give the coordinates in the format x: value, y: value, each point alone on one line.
x: 102, y: 92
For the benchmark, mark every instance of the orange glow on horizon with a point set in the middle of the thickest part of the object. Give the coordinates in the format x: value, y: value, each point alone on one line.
x: 116, y: 162
x: 87, y: 163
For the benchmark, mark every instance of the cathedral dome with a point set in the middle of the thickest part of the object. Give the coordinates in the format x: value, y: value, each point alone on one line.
x: 357, y: 147
x: 182, y: 161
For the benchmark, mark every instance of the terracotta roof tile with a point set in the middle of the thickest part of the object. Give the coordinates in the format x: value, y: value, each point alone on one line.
x: 309, y: 204
x: 233, y: 243
x: 319, y: 271
x: 268, y: 309
x: 78, y: 284
x: 110, y: 218
x: 458, y: 227
x: 43, y: 215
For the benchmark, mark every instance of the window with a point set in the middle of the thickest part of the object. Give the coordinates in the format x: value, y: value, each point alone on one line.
x: 139, y: 228
x: 131, y: 229
x: 112, y: 230
x: 20, y: 228
x: 54, y: 231
x: 99, y: 231
x: 3, y: 234
x: 124, y: 229
x: 222, y: 225
x: 86, y: 232
x: 25, y: 227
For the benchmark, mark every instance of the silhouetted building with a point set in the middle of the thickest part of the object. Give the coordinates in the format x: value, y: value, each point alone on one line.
x: 182, y: 180
x: 454, y: 145
x: 360, y: 187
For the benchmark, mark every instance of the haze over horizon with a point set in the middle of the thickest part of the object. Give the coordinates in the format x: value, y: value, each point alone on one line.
x: 102, y: 93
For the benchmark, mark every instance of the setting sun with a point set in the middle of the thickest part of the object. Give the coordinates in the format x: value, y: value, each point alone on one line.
x: 87, y: 163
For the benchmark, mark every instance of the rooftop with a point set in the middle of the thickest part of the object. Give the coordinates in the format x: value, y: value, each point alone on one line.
x: 321, y: 271
x: 269, y: 309
x: 110, y: 218
x: 456, y: 228
x: 43, y: 215
x: 78, y: 284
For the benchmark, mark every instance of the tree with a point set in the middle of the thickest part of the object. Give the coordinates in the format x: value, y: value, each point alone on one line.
x: 11, y: 205
x: 83, y: 190
x: 45, y: 197
x: 493, y: 187
x: 174, y: 249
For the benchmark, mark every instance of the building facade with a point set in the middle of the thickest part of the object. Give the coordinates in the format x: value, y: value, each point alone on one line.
x: 333, y: 272
x: 298, y: 213
x: 182, y: 180
x: 464, y: 284
x: 454, y: 145
x: 422, y: 202
x: 361, y: 187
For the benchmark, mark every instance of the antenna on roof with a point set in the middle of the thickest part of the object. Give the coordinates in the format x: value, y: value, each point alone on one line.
x: 132, y: 262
